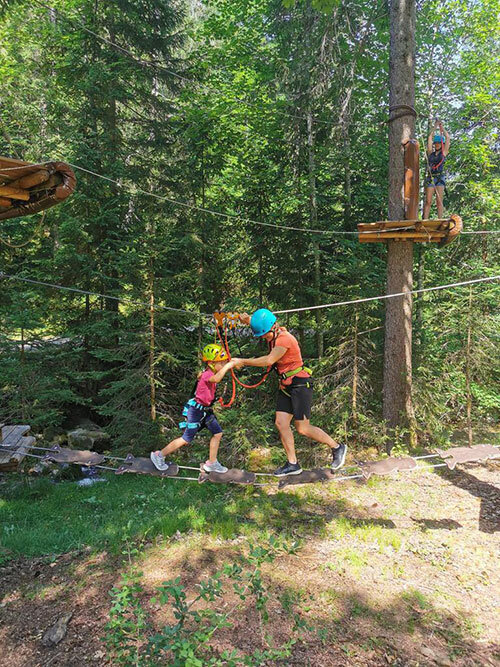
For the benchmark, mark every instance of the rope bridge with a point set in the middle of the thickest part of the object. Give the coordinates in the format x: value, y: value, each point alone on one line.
x: 15, y: 445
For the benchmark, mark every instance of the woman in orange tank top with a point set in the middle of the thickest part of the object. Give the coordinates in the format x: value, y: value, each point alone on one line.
x: 296, y: 389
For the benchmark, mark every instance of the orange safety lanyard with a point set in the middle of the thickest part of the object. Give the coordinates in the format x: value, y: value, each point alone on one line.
x: 234, y: 378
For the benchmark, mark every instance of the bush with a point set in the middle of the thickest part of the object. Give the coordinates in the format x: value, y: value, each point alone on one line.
x: 189, y: 639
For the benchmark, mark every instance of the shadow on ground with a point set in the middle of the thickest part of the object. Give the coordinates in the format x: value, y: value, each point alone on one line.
x: 489, y: 495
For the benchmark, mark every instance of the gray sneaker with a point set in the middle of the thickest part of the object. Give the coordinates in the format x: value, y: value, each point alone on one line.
x: 158, y: 461
x: 214, y: 467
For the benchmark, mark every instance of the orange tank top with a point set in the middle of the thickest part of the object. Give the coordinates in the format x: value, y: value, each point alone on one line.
x: 292, y: 358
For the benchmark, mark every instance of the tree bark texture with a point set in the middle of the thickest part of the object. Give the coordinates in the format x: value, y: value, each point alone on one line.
x: 468, y: 370
x: 313, y: 219
x: 355, y: 372
x: 397, y: 399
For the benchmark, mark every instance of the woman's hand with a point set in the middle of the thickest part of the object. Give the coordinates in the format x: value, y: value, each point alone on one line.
x: 244, y: 318
x: 237, y: 363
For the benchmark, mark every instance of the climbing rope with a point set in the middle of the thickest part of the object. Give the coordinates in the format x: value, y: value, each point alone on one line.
x: 16, y: 246
x: 133, y: 302
x: 230, y: 216
x: 389, y: 296
x: 224, y: 343
x: 197, y: 314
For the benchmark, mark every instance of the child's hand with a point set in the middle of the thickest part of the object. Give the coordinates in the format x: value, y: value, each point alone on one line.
x: 244, y: 318
x: 237, y: 363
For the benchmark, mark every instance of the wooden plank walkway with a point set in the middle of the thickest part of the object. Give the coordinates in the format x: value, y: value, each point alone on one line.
x: 14, y: 445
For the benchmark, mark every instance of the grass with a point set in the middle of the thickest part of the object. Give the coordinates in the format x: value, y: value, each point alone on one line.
x: 38, y: 517
x: 41, y: 518
x: 365, y: 531
x: 357, y: 567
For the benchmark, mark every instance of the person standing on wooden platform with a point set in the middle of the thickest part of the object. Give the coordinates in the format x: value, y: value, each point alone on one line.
x: 438, y: 146
x: 296, y: 389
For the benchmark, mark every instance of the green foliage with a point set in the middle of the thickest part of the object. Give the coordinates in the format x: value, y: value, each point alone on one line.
x: 129, y: 509
x: 188, y: 639
x: 214, y: 116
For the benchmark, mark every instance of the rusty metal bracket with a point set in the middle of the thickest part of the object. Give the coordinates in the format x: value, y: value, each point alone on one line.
x: 468, y: 454
x: 308, y: 477
x: 145, y: 466
x: 386, y: 466
x: 232, y: 476
x: 64, y: 455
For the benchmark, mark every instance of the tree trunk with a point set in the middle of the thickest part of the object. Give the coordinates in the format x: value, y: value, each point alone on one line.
x: 397, y: 399
x: 152, y: 379
x: 22, y: 355
x: 313, y: 219
x: 347, y: 174
x: 355, y: 372
x: 420, y: 300
x: 467, y: 370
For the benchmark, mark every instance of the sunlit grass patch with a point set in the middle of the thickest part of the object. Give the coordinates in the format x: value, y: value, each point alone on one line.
x: 107, y: 515
x: 415, y: 598
x: 348, y: 559
x: 367, y: 531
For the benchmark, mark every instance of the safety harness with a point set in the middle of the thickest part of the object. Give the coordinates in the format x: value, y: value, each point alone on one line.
x: 437, y: 167
x: 288, y: 374
x: 192, y: 403
x: 206, y: 409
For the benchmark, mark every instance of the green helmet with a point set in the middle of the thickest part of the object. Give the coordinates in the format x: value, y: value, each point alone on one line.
x: 214, y: 352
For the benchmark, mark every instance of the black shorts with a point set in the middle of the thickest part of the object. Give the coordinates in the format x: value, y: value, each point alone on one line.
x: 296, y: 398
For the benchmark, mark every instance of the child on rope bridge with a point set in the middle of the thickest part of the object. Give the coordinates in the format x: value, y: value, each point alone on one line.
x: 198, y: 411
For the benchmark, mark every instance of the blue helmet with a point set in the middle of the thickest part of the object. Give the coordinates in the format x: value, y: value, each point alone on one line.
x: 439, y: 139
x: 262, y: 321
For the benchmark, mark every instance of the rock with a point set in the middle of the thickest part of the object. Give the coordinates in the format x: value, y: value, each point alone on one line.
x: 436, y: 655
x: 39, y: 468
x: 51, y: 433
x: 82, y: 438
x: 57, y: 632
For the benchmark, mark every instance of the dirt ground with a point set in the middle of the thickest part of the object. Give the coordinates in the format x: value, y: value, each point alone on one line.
x: 402, y: 571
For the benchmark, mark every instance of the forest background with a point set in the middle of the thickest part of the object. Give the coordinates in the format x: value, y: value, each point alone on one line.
x: 266, y: 111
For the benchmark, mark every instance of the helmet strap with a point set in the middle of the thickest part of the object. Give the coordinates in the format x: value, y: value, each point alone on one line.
x: 274, y: 331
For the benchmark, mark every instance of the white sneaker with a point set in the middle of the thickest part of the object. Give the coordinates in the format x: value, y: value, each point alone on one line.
x: 158, y: 461
x: 214, y: 467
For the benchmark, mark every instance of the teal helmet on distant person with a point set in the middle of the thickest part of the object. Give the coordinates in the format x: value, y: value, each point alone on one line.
x: 262, y: 321
x: 439, y: 139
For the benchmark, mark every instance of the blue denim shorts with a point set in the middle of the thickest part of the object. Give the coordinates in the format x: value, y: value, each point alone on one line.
x: 197, y: 419
x: 431, y: 182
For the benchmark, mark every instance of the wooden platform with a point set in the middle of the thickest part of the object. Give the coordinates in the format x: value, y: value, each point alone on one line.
x: 14, y: 445
x: 27, y: 188
x: 420, y: 231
